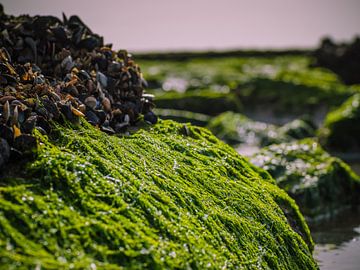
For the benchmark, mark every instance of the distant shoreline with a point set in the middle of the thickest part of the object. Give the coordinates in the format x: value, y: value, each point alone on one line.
x: 184, y: 55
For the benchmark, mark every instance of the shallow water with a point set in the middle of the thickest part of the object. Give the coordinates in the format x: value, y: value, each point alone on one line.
x: 338, y: 242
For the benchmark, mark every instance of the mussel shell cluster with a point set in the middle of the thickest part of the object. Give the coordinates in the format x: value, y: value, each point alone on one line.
x: 59, y: 70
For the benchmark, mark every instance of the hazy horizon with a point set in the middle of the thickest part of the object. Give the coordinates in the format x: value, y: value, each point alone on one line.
x: 160, y: 25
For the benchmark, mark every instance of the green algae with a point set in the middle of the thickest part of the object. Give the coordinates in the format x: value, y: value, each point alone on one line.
x: 168, y: 197
x: 320, y: 184
x: 341, y: 130
x: 235, y: 129
x: 287, y: 84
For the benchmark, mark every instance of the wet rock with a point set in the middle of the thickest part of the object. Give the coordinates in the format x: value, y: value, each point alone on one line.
x: 320, y: 184
x: 84, y: 169
x: 238, y: 129
x: 341, y: 129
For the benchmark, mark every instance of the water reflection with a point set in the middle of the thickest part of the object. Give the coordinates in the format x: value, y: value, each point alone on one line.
x: 338, y: 230
x: 338, y: 241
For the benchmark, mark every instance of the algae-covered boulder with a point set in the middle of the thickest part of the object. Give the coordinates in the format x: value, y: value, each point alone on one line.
x: 235, y: 128
x: 170, y: 196
x: 341, y: 131
x: 319, y: 183
x: 299, y: 128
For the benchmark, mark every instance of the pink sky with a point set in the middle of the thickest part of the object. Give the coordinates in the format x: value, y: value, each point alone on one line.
x: 144, y: 25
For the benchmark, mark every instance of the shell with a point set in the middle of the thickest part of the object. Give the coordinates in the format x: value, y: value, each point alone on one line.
x: 106, y: 104
x: 17, y: 131
x: 91, y: 102
x: 77, y: 112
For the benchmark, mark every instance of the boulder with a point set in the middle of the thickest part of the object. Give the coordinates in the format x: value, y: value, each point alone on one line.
x: 320, y: 183
x: 235, y: 128
x: 341, y: 130
x: 171, y: 196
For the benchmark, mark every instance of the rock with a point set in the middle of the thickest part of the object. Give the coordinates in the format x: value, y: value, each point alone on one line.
x: 157, y: 199
x: 319, y: 183
x: 341, y: 130
x: 235, y: 129
x: 299, y: 128
x: 343, y: 59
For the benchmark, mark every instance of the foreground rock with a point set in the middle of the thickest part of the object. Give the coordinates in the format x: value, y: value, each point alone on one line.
x: 341, y: 131
x: 172, y: 196
x: 319, y: 183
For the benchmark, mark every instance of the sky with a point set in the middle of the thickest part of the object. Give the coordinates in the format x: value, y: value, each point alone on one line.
x: 158, y: 25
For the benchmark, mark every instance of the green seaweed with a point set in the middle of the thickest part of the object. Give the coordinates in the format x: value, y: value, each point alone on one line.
x: 168, y: 197
x: 286, y: 84
x: 320, y: 184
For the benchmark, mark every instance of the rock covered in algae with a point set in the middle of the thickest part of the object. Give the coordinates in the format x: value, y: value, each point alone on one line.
x: 341, y: 131
x: 319, y: 183
x: 170, y: 196
x: 235, y: 128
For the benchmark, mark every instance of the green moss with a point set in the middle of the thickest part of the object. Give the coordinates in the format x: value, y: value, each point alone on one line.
x: 319, y: 183
x: 236, y: 128
x: 159, y: 199
x: 341, y: 131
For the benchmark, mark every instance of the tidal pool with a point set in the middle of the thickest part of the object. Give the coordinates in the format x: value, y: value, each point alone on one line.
x: 338, y: 242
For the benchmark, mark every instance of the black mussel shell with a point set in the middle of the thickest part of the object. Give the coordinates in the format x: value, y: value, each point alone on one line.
x: 24, y: 143
x: 151, y: 118
x: 4, y: 152
x: 92, y: 118
x: 7, y: 133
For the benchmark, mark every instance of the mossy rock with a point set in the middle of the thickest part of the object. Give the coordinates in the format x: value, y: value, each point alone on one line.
x: 235, y: 129
x: 205, y: 102
x: 341, y: 131
x: 319, y: 183
x: 288, y: 97
x: 167, y: 197
x: 283, y: 85
x: 299, y: 128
